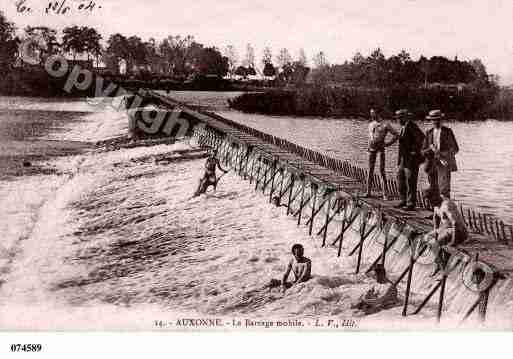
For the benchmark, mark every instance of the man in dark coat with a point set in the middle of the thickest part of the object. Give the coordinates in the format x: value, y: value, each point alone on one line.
x: 411, y: 139
x: 440, y: 148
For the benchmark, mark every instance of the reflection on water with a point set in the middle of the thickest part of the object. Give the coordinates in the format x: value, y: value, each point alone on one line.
x: 485, y: 176
x: 484, y: 179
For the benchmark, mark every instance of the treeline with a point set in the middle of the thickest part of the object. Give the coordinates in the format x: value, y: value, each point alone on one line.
x: 175, y: 56
x: 377, y: 71
x: 356, y: 102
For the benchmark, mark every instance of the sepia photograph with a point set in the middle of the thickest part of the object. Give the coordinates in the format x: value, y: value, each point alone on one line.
x: 255, y: 166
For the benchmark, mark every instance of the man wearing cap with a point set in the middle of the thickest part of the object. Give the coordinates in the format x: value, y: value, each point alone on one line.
x: 440, y: 148
x: 409, y: 159
x: 378, y: 131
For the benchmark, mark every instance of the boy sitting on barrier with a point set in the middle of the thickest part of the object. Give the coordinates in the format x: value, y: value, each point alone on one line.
x: 449, y: 229
x: 382, y: 295
x: 300, y: 265
x: 209, y: 178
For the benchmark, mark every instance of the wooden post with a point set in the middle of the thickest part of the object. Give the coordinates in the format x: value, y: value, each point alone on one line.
x: 312, y: 185
x: 498, y: 231
x: 408, y: 285
x: 301, y: 203
x: 475, y: 220
x: 282, y: 173
x: 257, y: 179
x: 326, y: 222
x: 265, y: 175
x: 273, y: 174
x: 289, y: 202
x: 363, y: 225
x: 503, y: 231
x: 441, y: 298
x: 385, y: 243
x: 470, y: 222
x: 463, y: 214
x: 251, y: 171
x: 485, y: 222
x: 483, y: 304
x: 480, y: 222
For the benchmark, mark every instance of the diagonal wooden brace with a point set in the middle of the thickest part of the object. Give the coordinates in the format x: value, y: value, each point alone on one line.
x: 330, y: 218
x: 362, y: 239
x: 346, y: 223
x: 428, y: 297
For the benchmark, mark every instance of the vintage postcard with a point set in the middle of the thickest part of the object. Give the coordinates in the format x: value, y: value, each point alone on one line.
x: 255, y: 165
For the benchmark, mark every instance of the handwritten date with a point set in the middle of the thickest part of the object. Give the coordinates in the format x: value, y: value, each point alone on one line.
x: 59, y: 7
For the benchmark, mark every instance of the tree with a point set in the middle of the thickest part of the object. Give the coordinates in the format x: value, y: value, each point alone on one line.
x: 241, y: 71
x: 294, y: 73
x: 267, y: 57
x: 46, y: 45
x: 284, y: 58
x: 320, y: 60
x: 377, y: 68
x: 153, y: 57
x: 250, y: 57
x: 8, y: 43
x: 73, y: 40
x: 480, y: 70
x: 269, y: 70
x: 423, y: 65
x: 231, y: 54
x: 91, y: 39
x: 212, y: 62
x: 302, y: 57
x: 117, y: 50
x: 137, y: 55
x: 177, y: 50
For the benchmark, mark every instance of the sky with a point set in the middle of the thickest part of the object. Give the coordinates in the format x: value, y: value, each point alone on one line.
x: 467, y: 28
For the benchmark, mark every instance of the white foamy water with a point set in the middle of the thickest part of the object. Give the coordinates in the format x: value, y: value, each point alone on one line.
x: 116, y: 242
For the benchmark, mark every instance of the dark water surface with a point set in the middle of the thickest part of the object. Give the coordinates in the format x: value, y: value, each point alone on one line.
x: 20, y: 137
x: 485, y: 161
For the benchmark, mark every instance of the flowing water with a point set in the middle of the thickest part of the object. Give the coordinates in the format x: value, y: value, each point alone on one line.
x: 485, y: 177
x: 103, y: 230
x: 484, y: 180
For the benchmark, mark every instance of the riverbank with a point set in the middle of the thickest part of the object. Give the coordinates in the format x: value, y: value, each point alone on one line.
x: 355, y: 102
x: 115, y: 242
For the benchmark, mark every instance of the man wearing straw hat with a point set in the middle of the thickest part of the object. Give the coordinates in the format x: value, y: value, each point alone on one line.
x: 409, y: 159
x: 439, y: 148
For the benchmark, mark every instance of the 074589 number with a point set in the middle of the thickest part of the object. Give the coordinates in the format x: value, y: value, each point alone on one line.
x: 26, y: 347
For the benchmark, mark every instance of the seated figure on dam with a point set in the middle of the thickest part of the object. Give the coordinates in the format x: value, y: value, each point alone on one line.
x: 449, y: 230
x: 382, y: 295
x: 209, y: 178
x: 299, y: 265
x: 378, y: 131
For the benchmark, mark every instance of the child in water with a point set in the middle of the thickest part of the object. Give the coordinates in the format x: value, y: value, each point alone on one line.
x: 299, y: 265
x: 209, y: 178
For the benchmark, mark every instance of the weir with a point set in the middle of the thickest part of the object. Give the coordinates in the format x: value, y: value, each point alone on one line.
x: 323, y: 194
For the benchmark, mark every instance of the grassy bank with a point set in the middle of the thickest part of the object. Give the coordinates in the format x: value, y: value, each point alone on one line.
x: 356, y: 102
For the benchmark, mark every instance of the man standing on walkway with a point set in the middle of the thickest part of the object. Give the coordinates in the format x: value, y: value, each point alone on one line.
x: 378, y: 131
x: 440, y: 148
x: 411, y: 140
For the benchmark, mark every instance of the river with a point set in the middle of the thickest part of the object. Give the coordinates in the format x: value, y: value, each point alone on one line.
x: 484, y: 180
x: 485, y: 177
